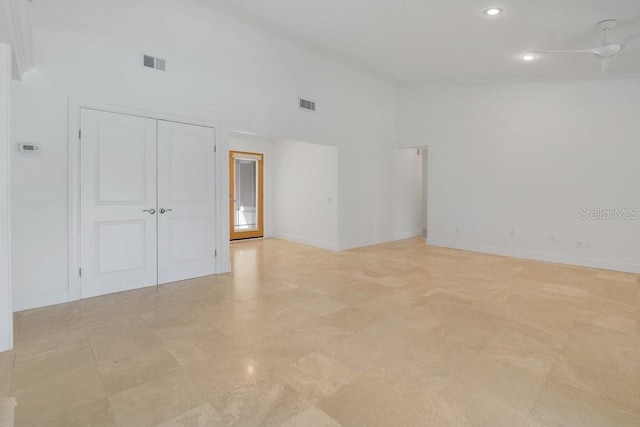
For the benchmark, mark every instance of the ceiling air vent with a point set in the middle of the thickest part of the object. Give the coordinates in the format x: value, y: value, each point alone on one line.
x: 307, y: 105
x: 157, y: 63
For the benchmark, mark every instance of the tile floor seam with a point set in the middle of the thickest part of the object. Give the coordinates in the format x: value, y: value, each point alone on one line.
x: 101, y: 376
x: 539, y: 393
x: 97, y: 367
x: 555, y: 361
x: 13, y: 365
x: 392, y: 391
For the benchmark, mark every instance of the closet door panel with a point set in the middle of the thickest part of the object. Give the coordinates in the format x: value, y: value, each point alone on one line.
x: 118, y: 248
x: 186, y: 202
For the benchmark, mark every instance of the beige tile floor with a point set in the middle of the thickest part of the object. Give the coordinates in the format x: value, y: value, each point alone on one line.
x: 394, y: 334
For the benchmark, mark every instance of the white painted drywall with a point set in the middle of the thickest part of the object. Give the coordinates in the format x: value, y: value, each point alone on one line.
x: 218, y: 69
x: 527, y: 157
x: 6, y: 311
x: 407, y: 200
x: 365, y: 176
x: 305, y: 193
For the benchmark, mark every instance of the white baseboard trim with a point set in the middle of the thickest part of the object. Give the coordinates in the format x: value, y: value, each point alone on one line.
x: 354, y: 244
x: 27, y: 302
x: 538, y: 256
x: 305, y: 241
x: 6, y: 343
x: 224, y: 267
x: 407, y: 235
x: 6, y: 337
x: 348, y: 245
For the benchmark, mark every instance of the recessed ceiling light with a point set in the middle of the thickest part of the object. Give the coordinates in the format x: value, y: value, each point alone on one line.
x: 528, y: 57
x: 493, y: 11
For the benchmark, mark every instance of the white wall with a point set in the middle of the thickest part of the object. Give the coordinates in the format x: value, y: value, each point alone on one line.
x: 365, y: 176
x: 407, y: 187
x: 219, y: 69
x: 306, y: 191
x: 6, y: 312
x: 527, y: 157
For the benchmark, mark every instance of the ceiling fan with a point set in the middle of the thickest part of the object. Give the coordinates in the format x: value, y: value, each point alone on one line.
x: 608, y: 50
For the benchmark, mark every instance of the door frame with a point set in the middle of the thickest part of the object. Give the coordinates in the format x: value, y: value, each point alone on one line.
x: 260, y: 174
x: 74, y: 214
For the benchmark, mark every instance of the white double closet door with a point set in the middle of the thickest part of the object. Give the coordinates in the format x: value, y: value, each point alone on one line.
x: 147, y: 202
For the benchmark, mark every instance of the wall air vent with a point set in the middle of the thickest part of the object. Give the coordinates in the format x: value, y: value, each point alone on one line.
x: 157, y: 63
x: 307, y: 105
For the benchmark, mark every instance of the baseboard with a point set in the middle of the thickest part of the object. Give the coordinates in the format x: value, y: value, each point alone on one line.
x: 6, y: 336
x: 538, y: 256
x: 407, y: 235
x: 348, y: 245
x: 27, y: 302
x: 354, y: 244
x: 6, y: 318
x: 305, y: 241
x: 224, y: 267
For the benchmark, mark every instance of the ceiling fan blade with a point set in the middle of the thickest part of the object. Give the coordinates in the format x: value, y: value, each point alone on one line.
x: 605, y: 51
x: 606, y: 64
x: 594, y: 51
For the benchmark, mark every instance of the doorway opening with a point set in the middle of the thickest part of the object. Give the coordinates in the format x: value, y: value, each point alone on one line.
x: 424, y: 189
x: 246, y: 193
x: 410, y: 192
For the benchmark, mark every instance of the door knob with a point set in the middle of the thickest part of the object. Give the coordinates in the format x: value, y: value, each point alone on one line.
x: 163, y: 210
x: 151, y: 211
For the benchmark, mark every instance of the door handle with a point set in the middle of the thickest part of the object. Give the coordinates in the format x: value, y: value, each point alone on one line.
x: 150, y: 211
x: 163, y: 210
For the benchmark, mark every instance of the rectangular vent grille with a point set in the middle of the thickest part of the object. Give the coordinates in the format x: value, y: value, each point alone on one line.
x: 149, y: 61
x: 161, y: 64
x: 307, y: 105
x: 157, y: 63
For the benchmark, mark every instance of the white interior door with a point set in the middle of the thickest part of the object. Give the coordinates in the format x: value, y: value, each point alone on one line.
x: 118, y: 203
x: 186, y: 202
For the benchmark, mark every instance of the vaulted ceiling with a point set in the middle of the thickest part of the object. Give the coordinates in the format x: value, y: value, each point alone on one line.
x: 451, y: 40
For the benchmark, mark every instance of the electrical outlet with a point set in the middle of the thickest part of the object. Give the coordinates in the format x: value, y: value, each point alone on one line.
x: 457, y: 230
x: 512, y: 232
x: 553, y: 239
x: 581, y: 244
